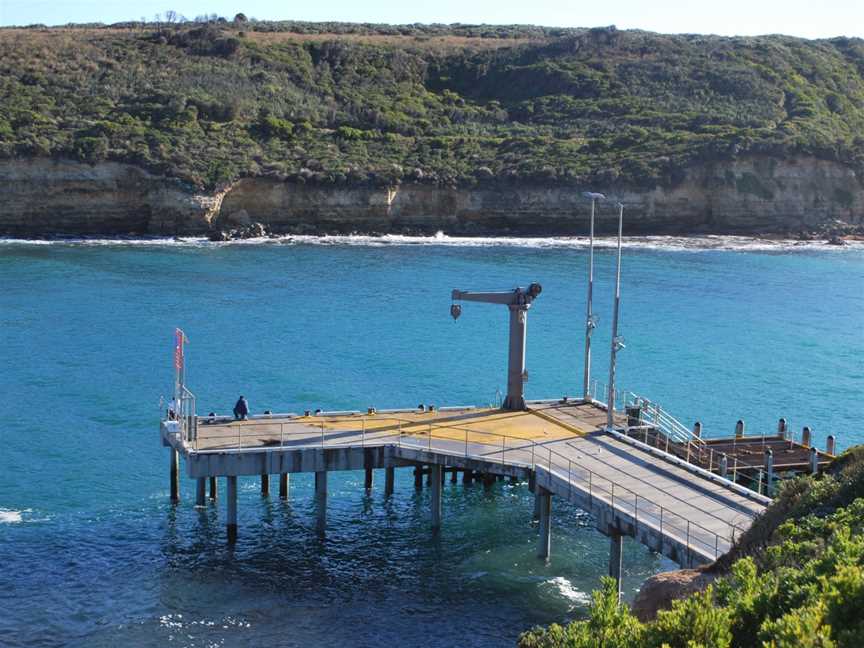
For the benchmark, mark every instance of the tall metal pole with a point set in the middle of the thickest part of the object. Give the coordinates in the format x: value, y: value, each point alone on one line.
x: 616, y: 343
x: 589, y: 317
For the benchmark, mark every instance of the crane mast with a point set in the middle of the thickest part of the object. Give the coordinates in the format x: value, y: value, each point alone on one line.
x: 518, y: 301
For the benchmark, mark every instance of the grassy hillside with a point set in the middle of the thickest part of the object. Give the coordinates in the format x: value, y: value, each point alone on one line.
x: 332, y: 103
x: 796, y: 580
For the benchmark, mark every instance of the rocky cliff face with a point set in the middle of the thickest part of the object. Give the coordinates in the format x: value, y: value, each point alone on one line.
x: 748, y: 196
x: 57, y: 197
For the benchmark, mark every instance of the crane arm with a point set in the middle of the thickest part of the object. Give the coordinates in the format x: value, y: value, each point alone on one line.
x: 506, y: 297
x: 498, y: 297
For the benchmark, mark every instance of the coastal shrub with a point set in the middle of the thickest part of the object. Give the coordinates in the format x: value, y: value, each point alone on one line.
x: 802, y: 587
x: 532, y: 104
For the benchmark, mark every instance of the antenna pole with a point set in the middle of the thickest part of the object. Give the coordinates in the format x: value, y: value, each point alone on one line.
x: 589, y: 322
x: 616, y: 342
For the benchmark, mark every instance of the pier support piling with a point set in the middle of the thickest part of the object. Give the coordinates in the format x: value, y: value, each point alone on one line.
x: 724, y: 466
x: 467, y: 477
x: 814, y: 461
x: 831, y: 445
x: 454, y: 476
x: 436, y: 478
x: 616, y: 559
x: 283, y: 486
x: 367, y: 483
x: 321, y: 499
x: 418, y: 477
x: 265, y: 485
x: 232, y: 509
x: 214, y: 491
x: 389, y: 479
x: 544, y: 500
x: 200, y: 491
x: 175, y: 476
x: 739, y: 429
x: 805, y: 437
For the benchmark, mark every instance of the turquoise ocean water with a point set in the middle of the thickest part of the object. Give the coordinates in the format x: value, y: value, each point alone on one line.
x: 92, y: 554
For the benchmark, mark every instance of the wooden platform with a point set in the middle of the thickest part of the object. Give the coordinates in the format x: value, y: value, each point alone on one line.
x: 673, y: 507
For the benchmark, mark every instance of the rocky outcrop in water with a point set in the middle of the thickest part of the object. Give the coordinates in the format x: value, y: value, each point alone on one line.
x: 757, y: 195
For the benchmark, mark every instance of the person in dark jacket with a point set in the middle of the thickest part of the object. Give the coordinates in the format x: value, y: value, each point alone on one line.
x: 241, y: 409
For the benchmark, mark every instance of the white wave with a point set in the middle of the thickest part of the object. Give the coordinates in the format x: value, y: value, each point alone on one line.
x: 565, y: 588
x: 11, y: 517
x: 673, y: 243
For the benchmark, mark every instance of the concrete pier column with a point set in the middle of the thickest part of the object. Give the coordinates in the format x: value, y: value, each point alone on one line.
x: 532, y: 482
x: 418, y: 477
x: 232, y: 509
x: 265, y: 485
x: 174, y: 476
x: 805, y: 437
x: 814, y: 461
x: 321, y: 499
x: 436, y: 475
x: 214, y: 491
x: 200, y: 491
x: 781, y: 428
x: 389, y: 479
x: 724, y: 465
x: 537, y: 504
x: 831, y: 445
x: 544, y: 498
x: 283, y: 486
x: 367, y: 482
x: 454, y: 476
x: 739, y: 429
x: 616, y: 558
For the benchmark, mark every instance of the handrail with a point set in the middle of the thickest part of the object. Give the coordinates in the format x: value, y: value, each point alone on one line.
x: 664, y: 512
x: 404, y: 429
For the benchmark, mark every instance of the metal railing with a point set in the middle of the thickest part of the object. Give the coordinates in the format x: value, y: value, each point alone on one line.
x: 672, y: 436
x: 493, y: 447
x: 186, y: 415
x: 638, y: 508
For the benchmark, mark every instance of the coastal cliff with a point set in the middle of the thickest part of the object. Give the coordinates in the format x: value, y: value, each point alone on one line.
x: 198, y: 127
x: 756, y: 195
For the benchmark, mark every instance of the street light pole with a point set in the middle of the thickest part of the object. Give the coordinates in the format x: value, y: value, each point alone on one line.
x: 617, y: 343
x: 590, y: 322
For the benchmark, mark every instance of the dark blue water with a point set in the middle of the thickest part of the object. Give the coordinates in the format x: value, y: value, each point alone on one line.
x: 92, y: 554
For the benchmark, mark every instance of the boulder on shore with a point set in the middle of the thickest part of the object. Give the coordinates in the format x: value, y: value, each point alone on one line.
x: 659, y: 591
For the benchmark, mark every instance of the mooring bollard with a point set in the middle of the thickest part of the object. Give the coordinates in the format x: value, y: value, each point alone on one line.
x: 724, y: 465
x: 739, y: 429
x: 781, y: 428
x: 831, y: 446
x: 814, y: 461
x: 697, y: 429
x: 769, y: 471
x: 805, y: 437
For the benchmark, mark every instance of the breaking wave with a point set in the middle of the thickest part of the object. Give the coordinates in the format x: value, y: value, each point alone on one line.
x: 673, y: 243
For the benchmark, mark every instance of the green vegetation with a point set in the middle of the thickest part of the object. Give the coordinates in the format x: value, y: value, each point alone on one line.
x: 795, y: 580
x: 338, y: 103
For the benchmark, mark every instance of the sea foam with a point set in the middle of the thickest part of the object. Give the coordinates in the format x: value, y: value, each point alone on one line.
x: 671, y: 243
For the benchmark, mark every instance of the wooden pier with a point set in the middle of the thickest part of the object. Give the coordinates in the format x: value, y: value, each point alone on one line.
x: 560, y: 448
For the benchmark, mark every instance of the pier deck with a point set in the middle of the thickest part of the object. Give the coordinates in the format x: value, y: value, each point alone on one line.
x: 677, y: 509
